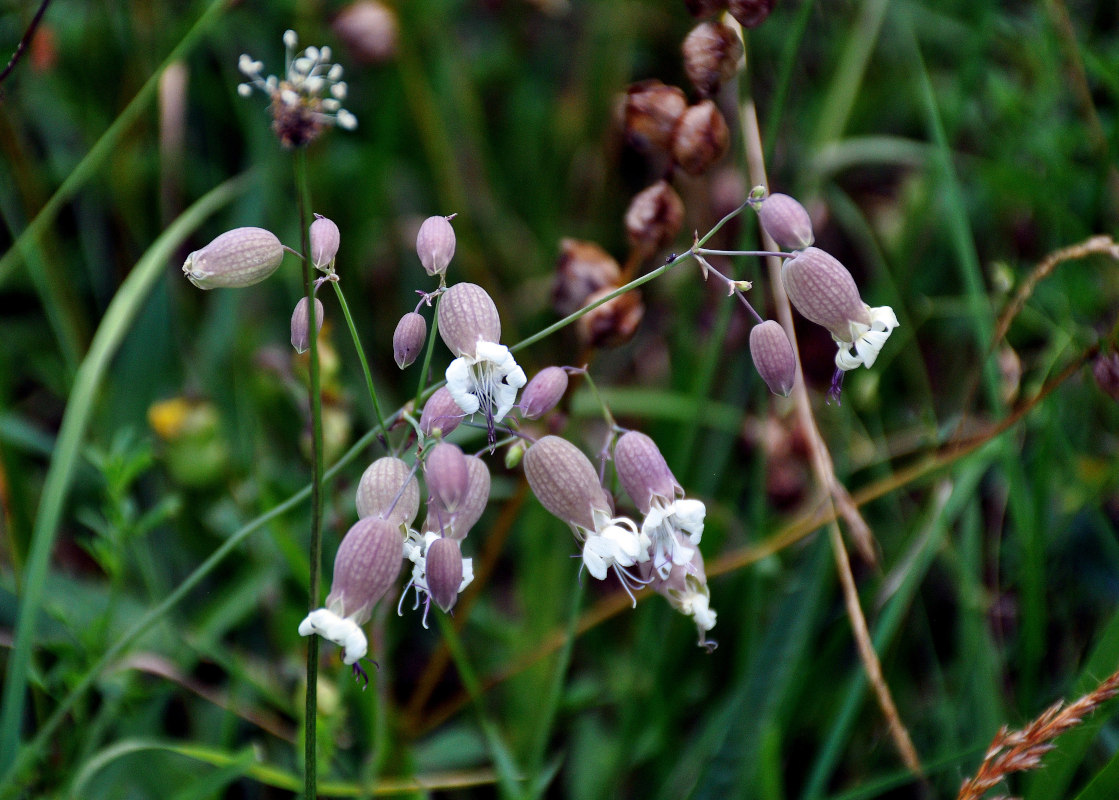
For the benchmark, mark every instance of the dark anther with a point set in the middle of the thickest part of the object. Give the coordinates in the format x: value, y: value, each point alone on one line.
x: 836, y: 388
x: 360, y: 673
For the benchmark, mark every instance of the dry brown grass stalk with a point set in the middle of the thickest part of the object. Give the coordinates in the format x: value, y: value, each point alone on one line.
x: 1020, y: 750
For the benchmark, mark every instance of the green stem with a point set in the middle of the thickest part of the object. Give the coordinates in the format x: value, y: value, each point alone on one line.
x: 427, y: 356
x: 361, y: 357
x: 315, y: 397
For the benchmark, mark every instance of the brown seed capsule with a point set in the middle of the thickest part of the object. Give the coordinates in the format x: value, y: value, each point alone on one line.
x: 467, y: 314
x: 712, y: 52
x: 773, y: 356
x: 824, y: 292
x: 379, y: 487
x: 238, y: 258
x: 1106, y: 371
x: 654, y: 218
x: 435, y: 244
x: 750, y: 13
x: 652, y: 112
x: 705, y: 8
x: 408, y: 339
x: 546, y: 388
x: 643, y: 472
x: 369, y: 31
x: 441, y: 414
x: 583, y: 268
x: 443, y: 568
x: 701, y: 139
x: 325, y: 239
x: 564, y: 481
x: 786, y: 221
x: 365, y: 567
x: 301, y: 324
x: 614, y: 322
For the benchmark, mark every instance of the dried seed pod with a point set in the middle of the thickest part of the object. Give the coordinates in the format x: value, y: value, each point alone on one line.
x: 435, y: 244
x: 654, y: 218
x: 447, y: 475
x: 583, y: 268
x: 441, y: 414
x: 467, y: 315
x: 369, y: 31
x: 408, y: 339
x: 701, y: 138
x: 301, y: 324
x: 379, y: 487
x: 443, y: 567
x: 238, y: 258
x: 1105, y: 369
x: 542, y: 393
x: 366, y: 566
x: 325, y: 239
x: 750, y: 13
x: 614, y: 322
x: 773, y: 356
x: 652, y: 112
x: 643, y: 472
x: 786, y: 221
x: 564, y: 481
x: 712, y: 53
x: 824, y: 292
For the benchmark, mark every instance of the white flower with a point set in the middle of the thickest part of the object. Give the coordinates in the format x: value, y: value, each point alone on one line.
x: 867, y: 339
x: 661, y: 524
x: 415, y: 550
x: 487, y: 381
x: 615, y: 542
x: 342, y: 631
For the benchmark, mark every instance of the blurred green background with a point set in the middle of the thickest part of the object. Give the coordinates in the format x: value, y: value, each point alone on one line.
x: 944, y: 149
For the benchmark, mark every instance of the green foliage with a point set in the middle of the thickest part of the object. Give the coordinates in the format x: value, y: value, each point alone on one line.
x: 153, y: 438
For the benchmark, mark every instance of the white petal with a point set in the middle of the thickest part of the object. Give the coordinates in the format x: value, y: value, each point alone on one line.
x: 595, y: 556
x: 459, y: 384
x: 883, y: 318
x: 467, y: 573
x: 343, y: 631
x: 845, y: 360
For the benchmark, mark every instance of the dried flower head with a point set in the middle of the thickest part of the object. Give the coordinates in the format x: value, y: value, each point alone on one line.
x: 301, y: 324
x: 307, y: 99
x: 325, y: 239
x: 389, y: 489
x: 773, y: 356
x: 614, y: 322
x: 654, y: 218
x: 645, y: 476
x: 652, y: 113
x: 366, y: 565
x: 786, y: 221
x: 408, y: 338
x: 712, y: 53
x: 750, y: 13
x: 583, y: 268
x: 701, y: 138
x: 435, y: 244
x: 238, y: 258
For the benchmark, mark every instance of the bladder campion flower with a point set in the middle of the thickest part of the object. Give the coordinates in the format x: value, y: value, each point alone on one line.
x: 564, y: 481
x: 236, y: 259
x: 685, y: 588
x: 307, y: 99
x: 773, y: 356
x: 484, y: 376
x: 647, y: 479
x: 439, y: 572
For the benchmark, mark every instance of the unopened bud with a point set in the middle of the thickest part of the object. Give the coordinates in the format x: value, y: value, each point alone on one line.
x: 750, y: 13
x: 441, y: 414
x: 467, y: 315
x: 564, y: 481
x: 369, y: 31
x: 389, y: 489
x: 654, y: 217
x: 701, y: 139
x: 643, y: 472
x: 773, y: 356
x: 447, y: 475
x: 325, y: 239
x: 238, y: 258
x: 435, y: 245
x: 408, y: 339
x: 652, y: 112
x: 614, y: 322
x: 546, y: 388
x: 824, y: 292
x: 583, y: 268
x: 712, y: 52
x: 301, y: 324
x: 443, y: 567
x: 1106, y: 371
x: 786, y: 221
